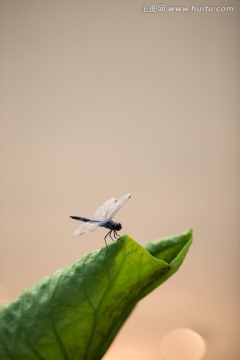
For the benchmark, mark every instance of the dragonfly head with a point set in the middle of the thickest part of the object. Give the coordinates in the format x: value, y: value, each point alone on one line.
x: 117, y: 227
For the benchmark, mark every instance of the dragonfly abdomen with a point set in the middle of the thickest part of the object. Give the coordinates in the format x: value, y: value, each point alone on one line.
x: 83, y: 219
x: 79, y: 218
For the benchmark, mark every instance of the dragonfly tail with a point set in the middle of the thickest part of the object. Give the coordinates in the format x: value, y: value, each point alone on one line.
x: 79, y: 218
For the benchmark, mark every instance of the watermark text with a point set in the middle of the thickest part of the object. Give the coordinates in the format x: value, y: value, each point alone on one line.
x: 159, y: 8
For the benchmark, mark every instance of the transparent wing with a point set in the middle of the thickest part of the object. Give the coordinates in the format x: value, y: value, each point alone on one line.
x: 115, y: 206
x: 87, y: 227
x: 101, y: 213
x: 107, y: 210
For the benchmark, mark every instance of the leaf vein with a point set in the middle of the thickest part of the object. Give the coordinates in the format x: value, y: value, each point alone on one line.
x: 56, y: 333
x: 99, y: 305
x: 35, y: 351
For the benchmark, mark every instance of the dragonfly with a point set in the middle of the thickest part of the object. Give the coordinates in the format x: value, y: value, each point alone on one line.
x: 103, y: 218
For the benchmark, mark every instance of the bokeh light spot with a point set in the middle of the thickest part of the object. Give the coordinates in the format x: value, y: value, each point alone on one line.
x: 183, y: 344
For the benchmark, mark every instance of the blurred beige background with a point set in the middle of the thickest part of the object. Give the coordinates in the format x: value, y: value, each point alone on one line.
x: 99, y: 99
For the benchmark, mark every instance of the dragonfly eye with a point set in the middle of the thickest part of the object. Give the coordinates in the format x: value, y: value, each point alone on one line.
x: 118, y: 226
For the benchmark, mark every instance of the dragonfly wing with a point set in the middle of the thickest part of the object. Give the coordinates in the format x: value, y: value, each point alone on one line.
x: 87, y: 227
x: 114, y: 207
x: 102, y: 212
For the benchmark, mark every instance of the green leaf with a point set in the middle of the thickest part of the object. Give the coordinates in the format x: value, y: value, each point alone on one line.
x: 76, y: 312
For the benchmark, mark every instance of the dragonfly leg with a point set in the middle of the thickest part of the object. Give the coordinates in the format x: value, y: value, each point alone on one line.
x: 106, y: 240
x: 116, y: 236
x: 108, y: 234
x: 111, y: 234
